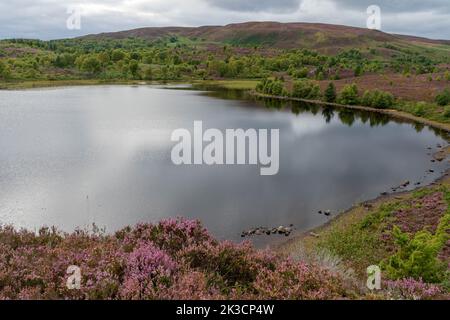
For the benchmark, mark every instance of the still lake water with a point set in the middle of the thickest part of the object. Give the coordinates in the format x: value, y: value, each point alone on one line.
x: 73, y: 156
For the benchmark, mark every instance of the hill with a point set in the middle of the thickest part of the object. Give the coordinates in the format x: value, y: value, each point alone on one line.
x: 325, y: 37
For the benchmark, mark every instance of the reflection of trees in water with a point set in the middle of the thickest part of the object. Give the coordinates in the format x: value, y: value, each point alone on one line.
x: 374, y: 119
x: 437, y: 132
x: 301, y: 107
x: 346, y: 116
x: 314, y: 108
x: 229, y: 94
x: 441, y: 133
x: 419, y: 126
x: 328, y: 114
x: 365, y: 117
x: 275, y: 104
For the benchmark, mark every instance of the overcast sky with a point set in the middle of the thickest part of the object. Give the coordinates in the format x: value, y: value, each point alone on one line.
x: 47, y: 19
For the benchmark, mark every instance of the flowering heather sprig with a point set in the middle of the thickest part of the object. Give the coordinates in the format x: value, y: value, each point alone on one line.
x: 171, y: 234
x: 174, y: 259
x: 147, y: 270
x: 411, y: 289
x: 298, y: 281
x: 192, y: 285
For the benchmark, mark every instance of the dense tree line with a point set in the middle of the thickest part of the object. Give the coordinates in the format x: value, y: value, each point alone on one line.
x: 349, y: 95
x: 177, y: 58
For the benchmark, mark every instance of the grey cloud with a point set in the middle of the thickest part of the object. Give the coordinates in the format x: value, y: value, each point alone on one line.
x: 277, y: 6
x: 397, y: 6
x: 46, y: 19
x: 414, y: 17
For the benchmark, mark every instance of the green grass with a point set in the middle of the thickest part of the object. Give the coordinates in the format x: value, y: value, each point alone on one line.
x: 253, y: 39
x: 227, y: 84
x: 427, y: 110
x: 18, y: 85
x: 230, y: 84
x: 359, y: 241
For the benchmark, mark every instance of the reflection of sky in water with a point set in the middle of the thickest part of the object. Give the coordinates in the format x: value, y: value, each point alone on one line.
x: 74, y: 156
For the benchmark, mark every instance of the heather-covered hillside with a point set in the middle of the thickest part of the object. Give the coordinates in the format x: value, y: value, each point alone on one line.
x: 174, y: 259
x: 275, y: 34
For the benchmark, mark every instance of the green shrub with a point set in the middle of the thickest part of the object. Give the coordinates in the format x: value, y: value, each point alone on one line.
x: 419, y: 109
x: 301, y: 73
x: 417, y: 256
x: 349, y: 95
x: 117, y: 55
x: 443, y: 98
x: 320, y: 76
x: 271, y: 87
x: 378, y: 99
x: 305, y: 89
x: 358, y: 71
x: 91, y: 64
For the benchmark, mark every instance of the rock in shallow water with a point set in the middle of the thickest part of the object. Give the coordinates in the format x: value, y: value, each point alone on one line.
x: 282, y: 230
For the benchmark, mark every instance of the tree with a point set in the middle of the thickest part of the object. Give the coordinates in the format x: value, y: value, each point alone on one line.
x: 302, y: 73
x: 277, y: 88
x: 358, y: 70
x: 349, y: 95
x: 378, y: 99
x: 91, y: 64
x: 148, y: 73
x: 305, y: 89
x: 271, y: 87
x: 117, y: 55
x: 330, y: 93
x: 164, y: 73
x: 64, y: 60
x: 135, y: 55
x: 104, y: 58
x: 443, y: 98
x: 320, y: 76
x: 134, y: 68
x: 5, y: 71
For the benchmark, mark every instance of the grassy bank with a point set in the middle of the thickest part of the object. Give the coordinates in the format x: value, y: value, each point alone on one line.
x: 228, y: 84
x: 22, y: 85
x: 406, y: 234
x: 222, y: 84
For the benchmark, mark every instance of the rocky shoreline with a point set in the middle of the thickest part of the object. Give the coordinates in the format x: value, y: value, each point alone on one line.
x: 439, y: 155
x: 259, y: 231
x: 304, y: 238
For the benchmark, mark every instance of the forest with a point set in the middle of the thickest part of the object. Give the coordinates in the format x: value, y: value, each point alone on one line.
x: 180, y: 59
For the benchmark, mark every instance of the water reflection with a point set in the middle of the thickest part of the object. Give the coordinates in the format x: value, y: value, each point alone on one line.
x: 73, y: 156
x: 346, y: 116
